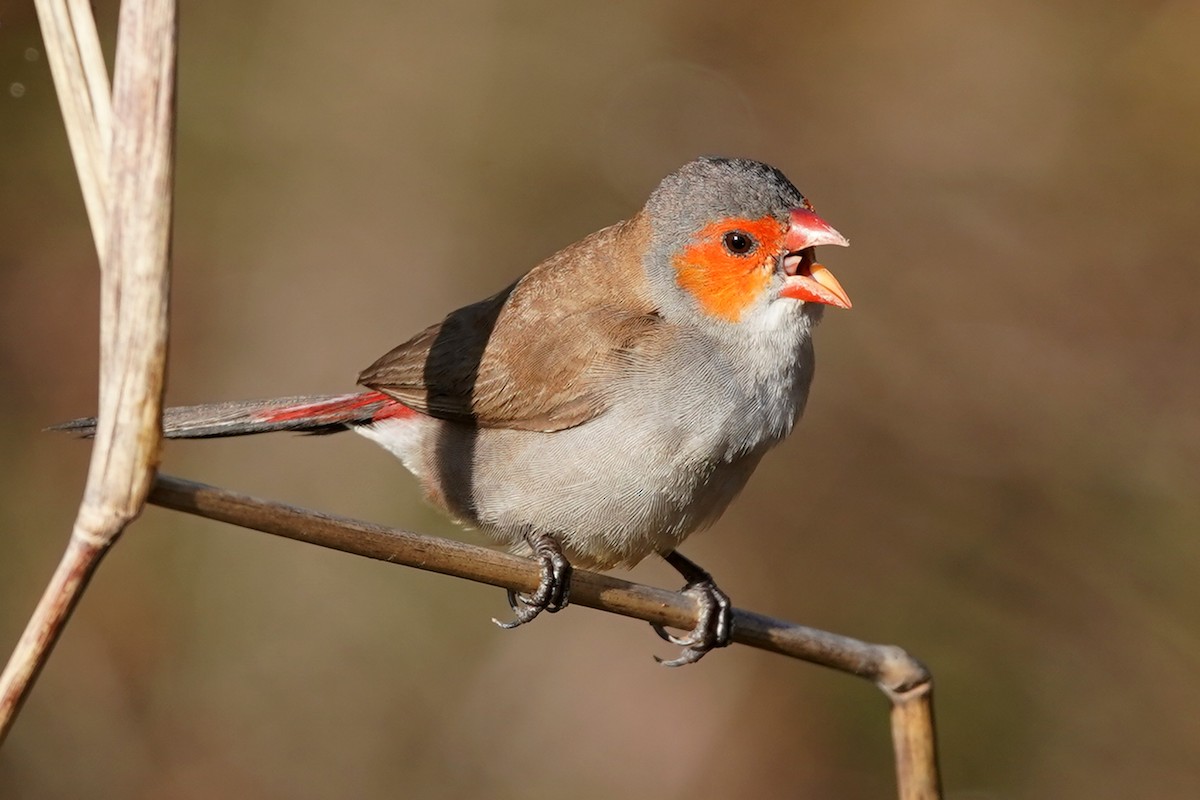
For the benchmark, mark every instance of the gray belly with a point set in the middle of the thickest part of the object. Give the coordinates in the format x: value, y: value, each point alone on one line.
x: 611, y: 497
x: 660, y: 464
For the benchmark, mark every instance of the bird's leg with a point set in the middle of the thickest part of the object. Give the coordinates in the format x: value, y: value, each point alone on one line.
x: 714, y: 628
x: 551, y: 594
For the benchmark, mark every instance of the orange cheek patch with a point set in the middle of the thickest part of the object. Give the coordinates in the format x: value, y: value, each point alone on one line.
x: 723, y: 283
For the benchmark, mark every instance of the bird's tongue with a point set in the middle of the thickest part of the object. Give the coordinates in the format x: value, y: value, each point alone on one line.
x: 808, y: 280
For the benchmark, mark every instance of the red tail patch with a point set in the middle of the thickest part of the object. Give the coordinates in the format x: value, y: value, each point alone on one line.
x: 343, y: 410
x: 391, y: 408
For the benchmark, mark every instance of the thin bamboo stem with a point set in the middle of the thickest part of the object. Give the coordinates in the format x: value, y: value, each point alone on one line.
x: 904, y: 679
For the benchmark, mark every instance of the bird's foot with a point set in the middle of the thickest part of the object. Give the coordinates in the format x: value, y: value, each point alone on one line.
x: 714, y: 624
x: 553, y: 590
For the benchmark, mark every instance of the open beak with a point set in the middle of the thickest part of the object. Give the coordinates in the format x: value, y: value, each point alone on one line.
x: 806, y: 279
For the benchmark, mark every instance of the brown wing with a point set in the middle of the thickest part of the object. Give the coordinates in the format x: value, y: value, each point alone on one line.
x: 540, y: 355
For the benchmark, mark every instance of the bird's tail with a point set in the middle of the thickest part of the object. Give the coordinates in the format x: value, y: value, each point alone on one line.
x: 311, y: 414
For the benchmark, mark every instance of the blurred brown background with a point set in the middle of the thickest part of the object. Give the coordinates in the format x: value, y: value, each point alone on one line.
x: 998, y: 469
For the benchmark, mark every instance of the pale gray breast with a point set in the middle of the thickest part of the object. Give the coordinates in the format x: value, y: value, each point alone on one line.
x: 661, y: 462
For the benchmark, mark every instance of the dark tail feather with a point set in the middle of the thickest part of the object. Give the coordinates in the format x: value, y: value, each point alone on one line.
x: 313, y: 414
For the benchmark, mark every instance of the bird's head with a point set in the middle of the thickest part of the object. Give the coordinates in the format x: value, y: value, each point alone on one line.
x: 733, y: 244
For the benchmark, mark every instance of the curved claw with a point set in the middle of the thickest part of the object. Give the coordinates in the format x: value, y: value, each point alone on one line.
x: 553, y: 589
x: 690, y: 655
x: 682, y: 641
x: 523, y: 607
x: 714, y: 624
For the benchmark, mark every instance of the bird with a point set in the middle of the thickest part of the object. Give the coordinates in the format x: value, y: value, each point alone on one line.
x: 611, y: 401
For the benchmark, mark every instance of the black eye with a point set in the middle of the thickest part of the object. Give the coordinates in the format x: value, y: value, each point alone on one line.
x: 739, y: 243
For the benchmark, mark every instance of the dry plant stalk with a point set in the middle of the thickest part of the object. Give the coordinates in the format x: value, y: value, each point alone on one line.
x: 81, y: 82
x: 124, y: 157
x: 128, y: 197
x: 914, y: 741
x: 905, y: 681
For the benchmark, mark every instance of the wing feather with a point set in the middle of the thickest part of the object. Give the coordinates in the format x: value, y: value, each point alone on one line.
x: 541, y: 355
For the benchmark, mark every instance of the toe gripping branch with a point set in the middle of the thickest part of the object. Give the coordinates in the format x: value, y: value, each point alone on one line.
x: 714, y: 625
x: 552, y: 592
